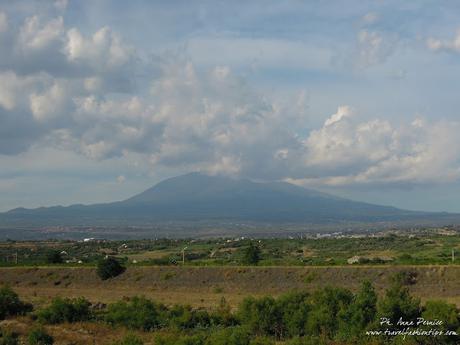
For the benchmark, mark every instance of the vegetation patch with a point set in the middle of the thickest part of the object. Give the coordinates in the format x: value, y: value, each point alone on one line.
x: 11, y: 305
x: 109, y: 268
x: 66, y: 310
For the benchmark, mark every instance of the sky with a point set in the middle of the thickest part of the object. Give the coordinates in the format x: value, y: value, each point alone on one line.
x: 100, y: 100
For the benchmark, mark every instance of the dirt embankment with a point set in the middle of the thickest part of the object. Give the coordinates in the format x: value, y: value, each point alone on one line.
x: 204, y: 286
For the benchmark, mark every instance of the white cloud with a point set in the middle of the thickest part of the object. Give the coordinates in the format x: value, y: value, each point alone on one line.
x: 3, y: 22
x: 104, y: 49
x: 377, y: 152
x: 48, y: 104
x: 13, y: 88
x: 35, y: 36
x: 452, y: 45
x: 342, y: 112
x: 372, y: 49
x: 206, y: 118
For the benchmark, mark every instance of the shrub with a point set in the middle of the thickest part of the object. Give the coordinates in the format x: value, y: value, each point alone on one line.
x: 109, y: 268
x: 261, y: 341
x: 38, y: 336
x: 361, y: 313
x: 138, y: 313
x: 262, y: 316
x: 448, y: 314
x: 8, y: 338
x: 175, y: 339
x: 229, y: 336
x: 398, y: 303
x: 10, y: 304
x: 223, y: 314
x: 327, y: 305
x: 130, y: 339
x: 66, y: 310
x: 184, y: 317
x: 251, y: 255
x: 294, y: 309
x: 54, y: 257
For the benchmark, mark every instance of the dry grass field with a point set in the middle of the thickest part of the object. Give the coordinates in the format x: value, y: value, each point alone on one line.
x: 201, y: 287
x: 204, y: 286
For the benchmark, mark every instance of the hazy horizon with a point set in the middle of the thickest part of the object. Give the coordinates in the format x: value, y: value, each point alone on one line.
x: 101, y: 100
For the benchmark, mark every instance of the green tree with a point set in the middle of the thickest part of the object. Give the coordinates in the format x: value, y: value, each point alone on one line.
x: 361, y: 313
x: 398, y: 304
x: 327, y: 305
x: 450, y: 317
x: 54, y: 257
x: 109, y: 268
x: 251, y: 254
x: 261, y: 316
x: 294, y: 308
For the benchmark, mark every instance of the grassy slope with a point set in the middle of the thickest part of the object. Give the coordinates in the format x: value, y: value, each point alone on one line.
x: 204, y: 286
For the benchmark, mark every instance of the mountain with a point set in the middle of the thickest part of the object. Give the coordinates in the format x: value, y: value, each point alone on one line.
x: 197, y: 197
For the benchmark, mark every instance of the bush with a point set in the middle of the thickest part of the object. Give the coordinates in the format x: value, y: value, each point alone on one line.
x: 130, y: 339
x: 10, y: 304
x: 54, y: 257
x: 109, y: 268
x: 175, y: 339
x: 38, y: 336
x: 262, y: 316
x: 8, y: 338
x: 229, y: 336
x: 184, y: 317
x: 138, y: 313
x: 448, y: 313
x: 251, y: 255
x: 66, y: 310
x: 327, y: 306
x: 398, y: 303
x: 223, y: 314
x: 360, y: 315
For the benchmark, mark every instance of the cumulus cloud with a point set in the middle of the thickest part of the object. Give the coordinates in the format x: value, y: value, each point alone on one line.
x: 104, y: 49
x: 378, y: 152
x: 37, y: 36
x: 47, y: 105
x: 207, y: 119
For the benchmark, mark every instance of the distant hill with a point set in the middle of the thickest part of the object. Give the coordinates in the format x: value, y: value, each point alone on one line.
x: 198, y: 197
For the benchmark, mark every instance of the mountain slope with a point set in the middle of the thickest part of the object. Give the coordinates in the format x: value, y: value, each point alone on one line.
x: 197, y: 197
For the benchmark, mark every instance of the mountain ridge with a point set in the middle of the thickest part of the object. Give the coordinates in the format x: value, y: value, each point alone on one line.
x: 197, y: 197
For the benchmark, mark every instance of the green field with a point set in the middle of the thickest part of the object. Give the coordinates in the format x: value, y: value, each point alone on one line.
x: 422, y: 248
